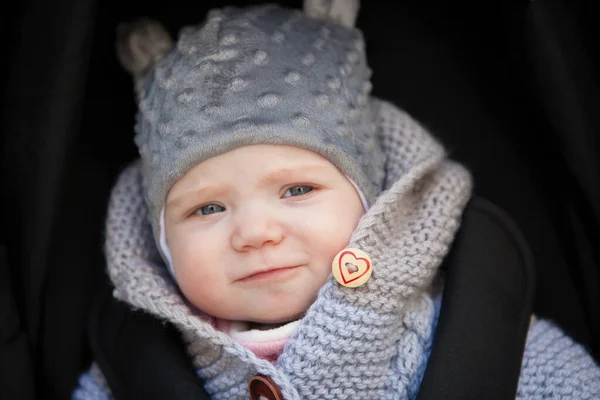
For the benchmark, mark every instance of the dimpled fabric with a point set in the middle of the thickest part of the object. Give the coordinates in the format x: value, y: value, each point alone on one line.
x: 258, y: 75
x: 370, y: 342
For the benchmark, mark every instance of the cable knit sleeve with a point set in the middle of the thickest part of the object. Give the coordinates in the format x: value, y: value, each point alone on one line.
x: 555, y: 367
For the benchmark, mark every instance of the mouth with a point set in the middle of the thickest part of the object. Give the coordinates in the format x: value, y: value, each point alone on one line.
x: 278, y: 273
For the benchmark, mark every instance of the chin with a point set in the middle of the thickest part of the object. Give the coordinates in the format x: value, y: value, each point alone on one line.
x: 279, y: 317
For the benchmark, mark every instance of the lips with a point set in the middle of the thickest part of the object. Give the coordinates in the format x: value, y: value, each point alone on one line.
x: 268, y: 273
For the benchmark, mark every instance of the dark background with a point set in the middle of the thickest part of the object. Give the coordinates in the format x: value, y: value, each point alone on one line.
x: 510, y: 87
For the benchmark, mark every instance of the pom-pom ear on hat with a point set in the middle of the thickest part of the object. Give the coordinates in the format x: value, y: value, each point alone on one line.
x: 140, y: 45
x: 343, y: 12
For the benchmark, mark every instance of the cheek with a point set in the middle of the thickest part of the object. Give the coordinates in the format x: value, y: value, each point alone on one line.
x: 329, y: 231
x: 196, y: 256
x: 199, y: 262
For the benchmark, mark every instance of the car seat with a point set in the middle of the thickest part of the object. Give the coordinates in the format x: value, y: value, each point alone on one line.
x: 511, y: 93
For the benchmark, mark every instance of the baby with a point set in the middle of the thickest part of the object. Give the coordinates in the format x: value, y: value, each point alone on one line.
x: 288, y: 223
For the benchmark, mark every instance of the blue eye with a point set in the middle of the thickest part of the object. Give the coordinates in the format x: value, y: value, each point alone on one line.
x: 297, y: 190
x: 210, y: 209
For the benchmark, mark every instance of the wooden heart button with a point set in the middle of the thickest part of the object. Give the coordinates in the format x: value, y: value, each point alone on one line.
x: 351, y: 267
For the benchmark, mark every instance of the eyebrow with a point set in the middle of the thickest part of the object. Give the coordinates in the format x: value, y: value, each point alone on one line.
x: 289, y: 173
x: 271, y: 177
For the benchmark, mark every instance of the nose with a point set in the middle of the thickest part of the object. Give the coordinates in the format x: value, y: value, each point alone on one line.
x: 255, y: 228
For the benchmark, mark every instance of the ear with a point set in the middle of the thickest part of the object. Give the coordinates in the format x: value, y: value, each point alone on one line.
x: 140, y: 45
x: 343, y: 12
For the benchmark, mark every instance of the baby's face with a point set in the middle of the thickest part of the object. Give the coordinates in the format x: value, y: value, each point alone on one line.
x: 252, y: 232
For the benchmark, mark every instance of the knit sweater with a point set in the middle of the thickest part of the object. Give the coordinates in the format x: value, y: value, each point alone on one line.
x: 367, y: 342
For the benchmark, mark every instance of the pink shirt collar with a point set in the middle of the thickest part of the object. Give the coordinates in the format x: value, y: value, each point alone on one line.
x: 267, y: 343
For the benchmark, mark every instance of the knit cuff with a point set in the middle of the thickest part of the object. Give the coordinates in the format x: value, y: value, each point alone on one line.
x: 555, y: 367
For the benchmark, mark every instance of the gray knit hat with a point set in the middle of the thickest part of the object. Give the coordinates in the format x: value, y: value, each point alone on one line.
x: 257, y: 75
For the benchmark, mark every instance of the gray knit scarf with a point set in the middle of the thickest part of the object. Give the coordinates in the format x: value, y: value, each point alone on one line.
x: 370, y: 342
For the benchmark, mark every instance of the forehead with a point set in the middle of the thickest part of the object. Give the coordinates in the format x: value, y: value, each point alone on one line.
x: 258, y: 159
x: 253, y: 163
